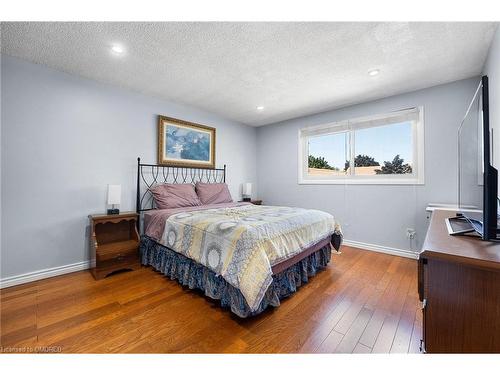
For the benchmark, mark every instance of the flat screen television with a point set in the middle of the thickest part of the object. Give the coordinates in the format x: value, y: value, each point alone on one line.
x: 477, y: 178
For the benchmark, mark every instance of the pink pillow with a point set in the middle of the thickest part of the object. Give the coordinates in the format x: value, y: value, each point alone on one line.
x: 213, y: 193
x: 175, y: 195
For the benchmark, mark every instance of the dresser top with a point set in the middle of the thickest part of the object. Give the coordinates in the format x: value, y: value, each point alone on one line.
x: 463, y: 249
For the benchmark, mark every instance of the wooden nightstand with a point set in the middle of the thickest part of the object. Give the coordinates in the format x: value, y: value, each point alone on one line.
x: 114, y: 243
x: 258, y: 202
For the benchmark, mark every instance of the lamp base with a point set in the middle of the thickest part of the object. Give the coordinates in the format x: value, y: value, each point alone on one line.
x: 247, y: 199
x: 113, y: 211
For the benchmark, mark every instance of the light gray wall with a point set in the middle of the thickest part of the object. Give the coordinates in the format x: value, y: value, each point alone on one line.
x: 492, y: 70
x: 372, y: 214
x: 64, y: 138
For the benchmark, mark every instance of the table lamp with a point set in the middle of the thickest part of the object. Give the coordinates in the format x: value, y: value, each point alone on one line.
x: 247, y: 192
x: 114, y: 197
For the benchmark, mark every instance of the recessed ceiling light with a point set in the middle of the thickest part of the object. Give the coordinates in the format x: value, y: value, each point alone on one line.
x: 260, y: 108
x: 373, y: 72
x: 117, y: 49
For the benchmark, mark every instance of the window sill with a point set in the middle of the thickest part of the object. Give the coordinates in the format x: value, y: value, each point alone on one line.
x: 363, y: 181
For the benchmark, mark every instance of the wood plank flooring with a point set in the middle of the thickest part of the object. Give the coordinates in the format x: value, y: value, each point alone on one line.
x: 364, y: 302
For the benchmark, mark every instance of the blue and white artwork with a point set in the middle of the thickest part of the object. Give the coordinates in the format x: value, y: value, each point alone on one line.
x: 186, y: 144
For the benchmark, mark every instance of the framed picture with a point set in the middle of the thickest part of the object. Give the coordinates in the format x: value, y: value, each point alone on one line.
x: 185, y: 144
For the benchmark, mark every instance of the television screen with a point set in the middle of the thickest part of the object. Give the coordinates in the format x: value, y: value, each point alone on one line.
x: 477, y: 178
x: 470, y: 157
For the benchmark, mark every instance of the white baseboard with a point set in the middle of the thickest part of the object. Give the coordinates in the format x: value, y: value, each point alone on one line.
x: 381, y: 249
x: 43, y: 274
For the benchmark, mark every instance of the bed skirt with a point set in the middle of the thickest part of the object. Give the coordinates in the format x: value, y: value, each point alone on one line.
x: 196, y: 276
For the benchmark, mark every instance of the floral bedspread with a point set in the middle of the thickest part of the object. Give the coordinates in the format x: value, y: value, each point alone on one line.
x: 242, y: 243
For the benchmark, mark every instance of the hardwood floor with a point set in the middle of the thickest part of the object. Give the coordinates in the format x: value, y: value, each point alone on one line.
x: 363, y: 302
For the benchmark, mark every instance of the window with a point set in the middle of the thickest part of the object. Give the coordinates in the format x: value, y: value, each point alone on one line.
x: 382, y: 149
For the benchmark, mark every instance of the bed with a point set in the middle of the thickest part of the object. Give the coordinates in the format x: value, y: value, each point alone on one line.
x: 247, y: 257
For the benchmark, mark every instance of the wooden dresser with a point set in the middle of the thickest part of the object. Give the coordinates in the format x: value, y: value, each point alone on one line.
x: 459, y: 286
x: 114, y: 243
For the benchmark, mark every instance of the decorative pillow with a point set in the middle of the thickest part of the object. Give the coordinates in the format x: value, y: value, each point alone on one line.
x: 175, y: 195
x: 213, y: 193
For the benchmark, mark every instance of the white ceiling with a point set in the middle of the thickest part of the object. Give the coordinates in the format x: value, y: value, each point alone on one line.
x: 292, y: 69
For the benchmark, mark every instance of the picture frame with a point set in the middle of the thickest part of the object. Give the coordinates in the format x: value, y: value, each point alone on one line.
x: 185, y: 144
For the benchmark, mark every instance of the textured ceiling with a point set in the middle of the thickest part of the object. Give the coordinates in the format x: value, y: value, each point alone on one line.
x: 292, y: 69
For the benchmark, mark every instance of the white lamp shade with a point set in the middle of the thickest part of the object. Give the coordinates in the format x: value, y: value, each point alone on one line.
x: 114, y: 194
x: 247, y: 188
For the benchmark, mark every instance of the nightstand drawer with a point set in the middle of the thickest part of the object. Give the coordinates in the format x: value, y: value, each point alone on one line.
x: 122, y: 262
x: 116, y: 249
x: 119, y: 261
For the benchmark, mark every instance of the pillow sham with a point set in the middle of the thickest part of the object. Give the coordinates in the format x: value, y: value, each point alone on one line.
x: 213, y: 193
x: 175, y: 196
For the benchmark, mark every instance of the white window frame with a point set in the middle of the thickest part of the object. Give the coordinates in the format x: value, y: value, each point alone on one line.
x: 416, y: 178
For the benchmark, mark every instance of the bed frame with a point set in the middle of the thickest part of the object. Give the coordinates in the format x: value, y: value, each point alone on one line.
x: 149, y: 175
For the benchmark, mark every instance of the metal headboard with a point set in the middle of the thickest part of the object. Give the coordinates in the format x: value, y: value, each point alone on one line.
x: 149, y: 175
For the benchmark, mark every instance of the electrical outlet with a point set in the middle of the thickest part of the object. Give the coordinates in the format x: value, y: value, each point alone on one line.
x: 410, y: 233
